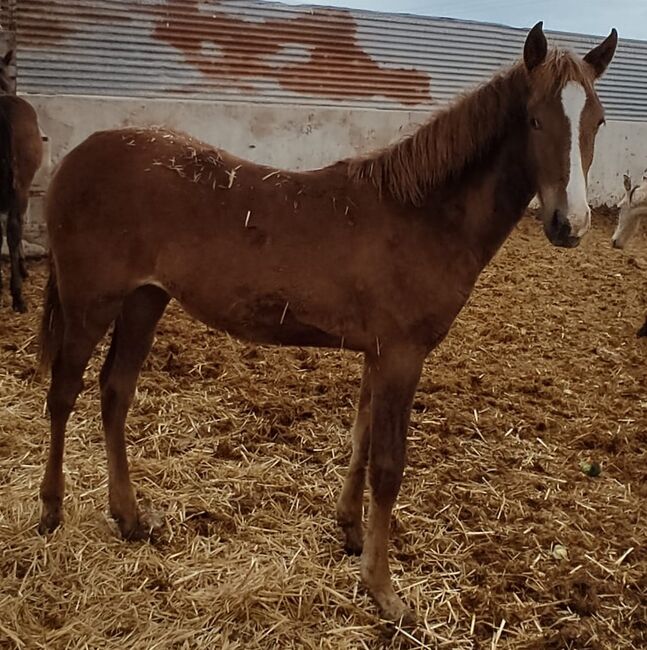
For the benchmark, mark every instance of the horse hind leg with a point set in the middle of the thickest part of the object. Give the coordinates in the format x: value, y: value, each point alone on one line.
x: 131, y: 342
x: 83, y: 329
x: 350, y: 503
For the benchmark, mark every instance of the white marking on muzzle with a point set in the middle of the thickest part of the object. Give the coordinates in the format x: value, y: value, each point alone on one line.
x: 579, y: 213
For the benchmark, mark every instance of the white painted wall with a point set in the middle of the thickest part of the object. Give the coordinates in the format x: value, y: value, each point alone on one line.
x: 620, y: 148
x: 292, y: 137
x: 299, y: 137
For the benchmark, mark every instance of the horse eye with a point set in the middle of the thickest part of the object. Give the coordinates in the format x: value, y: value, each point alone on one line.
x: 535, y: 123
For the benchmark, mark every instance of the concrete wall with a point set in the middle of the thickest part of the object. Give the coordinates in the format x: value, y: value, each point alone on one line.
x: 285, y: 136
x: 295, y: 137
x: 620, y: 148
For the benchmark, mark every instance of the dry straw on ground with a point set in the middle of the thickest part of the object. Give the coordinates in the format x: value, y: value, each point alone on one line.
x: 500, y: 540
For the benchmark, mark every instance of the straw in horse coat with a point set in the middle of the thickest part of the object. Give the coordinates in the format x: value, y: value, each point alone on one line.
x: 377, y: 254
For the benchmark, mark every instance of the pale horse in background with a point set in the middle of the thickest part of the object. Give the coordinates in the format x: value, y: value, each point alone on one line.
x: 633, y: 206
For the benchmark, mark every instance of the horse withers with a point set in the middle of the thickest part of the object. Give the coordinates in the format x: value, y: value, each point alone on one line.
x: 375, y: 254
x: 21, y: 153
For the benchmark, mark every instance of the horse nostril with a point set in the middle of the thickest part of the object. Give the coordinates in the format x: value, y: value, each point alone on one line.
x: 614, y: 243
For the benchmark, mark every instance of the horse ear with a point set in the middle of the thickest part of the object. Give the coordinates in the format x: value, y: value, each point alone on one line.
x: 600, y: 56
x: 7, y: 58
x: 535, y: 47
x: 626, y: 181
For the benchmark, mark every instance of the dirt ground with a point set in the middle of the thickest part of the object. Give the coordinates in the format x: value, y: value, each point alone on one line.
x: 500, y: 539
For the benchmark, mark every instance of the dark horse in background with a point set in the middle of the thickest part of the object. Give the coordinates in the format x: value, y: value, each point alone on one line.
x: 376, y: 254
x: 21, y: 153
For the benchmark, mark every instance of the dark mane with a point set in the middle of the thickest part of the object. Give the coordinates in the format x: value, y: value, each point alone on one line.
x: 462, y: 132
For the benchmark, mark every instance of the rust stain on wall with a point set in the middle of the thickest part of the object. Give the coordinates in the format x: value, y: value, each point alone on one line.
x: 38, y: 25
x: 39, y: 22
x: 222, y: 45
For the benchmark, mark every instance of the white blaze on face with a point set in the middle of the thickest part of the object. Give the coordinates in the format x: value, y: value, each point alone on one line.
x: 579, y: 213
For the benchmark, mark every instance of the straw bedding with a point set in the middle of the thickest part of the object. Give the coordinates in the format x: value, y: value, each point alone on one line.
x: 500, y: 538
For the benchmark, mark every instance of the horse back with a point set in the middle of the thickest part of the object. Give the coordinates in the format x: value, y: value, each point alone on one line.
x: 267, y: 254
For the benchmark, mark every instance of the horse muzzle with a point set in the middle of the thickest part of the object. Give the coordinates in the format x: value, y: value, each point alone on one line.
x: 559, y: 231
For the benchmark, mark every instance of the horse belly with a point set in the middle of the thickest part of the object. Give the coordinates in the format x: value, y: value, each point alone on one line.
x: 263, y: 319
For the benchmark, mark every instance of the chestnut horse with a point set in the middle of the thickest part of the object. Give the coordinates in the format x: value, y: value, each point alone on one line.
x: 377, y: 255
x: 21, y: 152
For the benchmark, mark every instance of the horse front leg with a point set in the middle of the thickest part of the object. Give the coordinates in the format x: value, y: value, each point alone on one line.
x: 393, y: 377
x: 350, y: 506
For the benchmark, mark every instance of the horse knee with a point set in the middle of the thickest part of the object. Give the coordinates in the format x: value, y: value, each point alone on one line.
x: 60, y: 402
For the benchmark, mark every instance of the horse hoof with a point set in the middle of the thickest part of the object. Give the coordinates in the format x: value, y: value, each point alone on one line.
x: 144, y: 526
x: 395, y: 611
x: 352, y: 530
x: 138, y: 533
x: 19, y: 306
x: 132, y: 529
x: 49, y: 522
x: 354, y: 543
x: 353, y: 550
x: 391, y: 606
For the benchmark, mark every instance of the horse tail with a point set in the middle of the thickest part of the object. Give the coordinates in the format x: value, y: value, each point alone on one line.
x: 51, y: 325
x: 7, y: 189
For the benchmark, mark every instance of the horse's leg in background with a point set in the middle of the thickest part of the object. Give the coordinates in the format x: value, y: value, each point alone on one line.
x: 84, y: 326
x: 24, y: 273
x: 131, y: 342
x: 643, y: 329
x: 22, y: 262
x: 349, y: 505
x: 14, y: 243
x: 394, y: 378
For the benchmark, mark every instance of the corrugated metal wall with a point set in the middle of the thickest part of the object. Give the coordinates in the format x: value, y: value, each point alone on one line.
x: 266, y: 52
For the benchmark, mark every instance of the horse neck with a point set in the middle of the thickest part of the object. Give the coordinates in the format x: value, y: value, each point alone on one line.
x: 498, y: 190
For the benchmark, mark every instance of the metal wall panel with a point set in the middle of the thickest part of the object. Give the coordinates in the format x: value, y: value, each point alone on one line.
x: 266, y: 52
